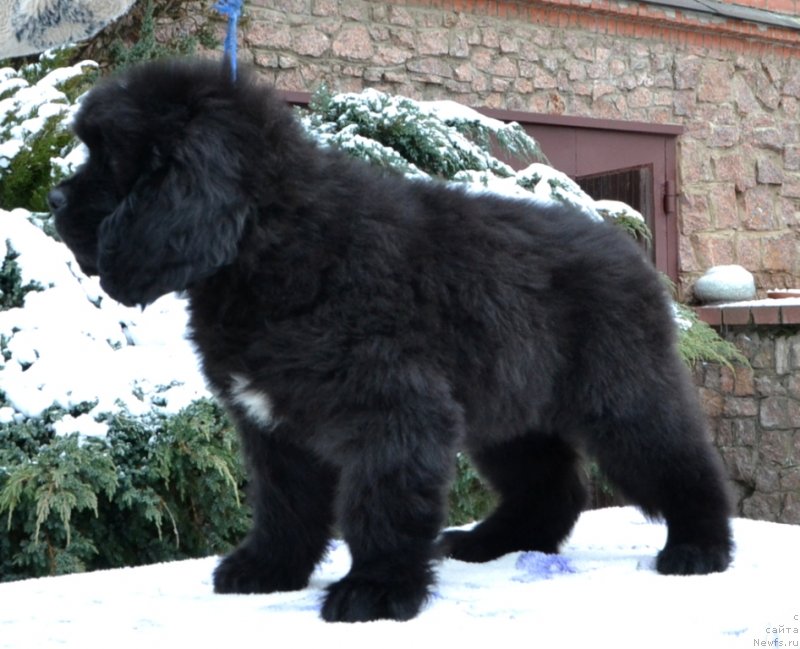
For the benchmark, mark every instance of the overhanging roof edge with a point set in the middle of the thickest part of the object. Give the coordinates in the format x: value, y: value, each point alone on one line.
x: 728, y: 10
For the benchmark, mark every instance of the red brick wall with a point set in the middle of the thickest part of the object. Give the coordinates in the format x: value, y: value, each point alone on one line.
x: 791, y: 7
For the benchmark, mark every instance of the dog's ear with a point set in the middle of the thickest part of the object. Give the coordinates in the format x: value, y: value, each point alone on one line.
x: 181, y: 221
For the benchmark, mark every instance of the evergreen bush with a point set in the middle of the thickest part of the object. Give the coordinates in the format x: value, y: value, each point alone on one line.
x: 37, y: 101
x: 30, y: 175
x: 12, y: 290
x: 416, y: 138
x: 469, y: 499
x: 154, y: 489
x: 698, y: 342
x: 146, y: 47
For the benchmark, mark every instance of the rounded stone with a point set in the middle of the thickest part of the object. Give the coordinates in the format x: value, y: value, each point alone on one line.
x: 729, y: 283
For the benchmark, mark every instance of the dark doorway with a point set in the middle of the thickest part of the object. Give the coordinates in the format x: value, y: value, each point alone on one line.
x: 631, y: 186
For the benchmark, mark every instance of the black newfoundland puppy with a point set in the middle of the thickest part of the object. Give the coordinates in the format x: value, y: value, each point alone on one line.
x: 361, y: 328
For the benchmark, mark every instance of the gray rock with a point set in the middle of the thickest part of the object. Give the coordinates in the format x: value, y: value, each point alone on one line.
x: 730, y: 283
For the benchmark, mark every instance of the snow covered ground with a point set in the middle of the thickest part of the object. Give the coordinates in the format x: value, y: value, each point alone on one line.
x: 602, y: 591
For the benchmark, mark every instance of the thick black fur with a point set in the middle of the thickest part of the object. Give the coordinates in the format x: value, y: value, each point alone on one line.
x: 361, y: 328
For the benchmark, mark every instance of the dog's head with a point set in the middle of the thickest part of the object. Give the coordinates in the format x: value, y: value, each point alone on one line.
x: 163, y: 198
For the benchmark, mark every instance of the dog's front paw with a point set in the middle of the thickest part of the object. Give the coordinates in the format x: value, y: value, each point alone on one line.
x: 360, y: 599
x: 244, y: 572
x: 689, y: 559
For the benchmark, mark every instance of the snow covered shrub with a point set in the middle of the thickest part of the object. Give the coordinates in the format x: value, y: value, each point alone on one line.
x: 29, y: 176
x: 625, y: 217
x: 439, y: 139
x: 152, y: 489
x: 12, y: 288
x: 700, y: 343
x: 416, y: 138
x: 35, y: 104
x: 143, y: 45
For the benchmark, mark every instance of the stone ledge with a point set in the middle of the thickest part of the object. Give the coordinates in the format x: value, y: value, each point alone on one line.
x: 756, y: 312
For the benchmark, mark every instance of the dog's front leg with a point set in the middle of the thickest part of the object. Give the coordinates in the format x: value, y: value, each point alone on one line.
x: 291, y: 492
x: 392, y: 494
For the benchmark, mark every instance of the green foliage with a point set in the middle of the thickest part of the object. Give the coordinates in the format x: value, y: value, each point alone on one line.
x: 44, y: 483
x: 698, y: 342
x: 469, y: 499
x: 152, y: 490
x: 12, y: 291
x: 30, y: 174
x: 34, y: 67
x: 529, y: 181
x: 635, y: 227
x: 511, y: 138
x: 146, y: 46
x: 628, y: 219
x: 56, y: 59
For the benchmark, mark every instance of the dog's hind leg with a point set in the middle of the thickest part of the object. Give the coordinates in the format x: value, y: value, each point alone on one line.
x: 391, y: 507
x: 291, y: 493
x: 660, y: 458
x: 541, y: 496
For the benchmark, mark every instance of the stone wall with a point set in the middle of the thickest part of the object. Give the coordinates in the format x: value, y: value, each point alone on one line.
x: 737, y: 94
x: 755, y: 420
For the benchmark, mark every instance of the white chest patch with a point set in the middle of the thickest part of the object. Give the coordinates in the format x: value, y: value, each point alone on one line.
x: 255, y: 403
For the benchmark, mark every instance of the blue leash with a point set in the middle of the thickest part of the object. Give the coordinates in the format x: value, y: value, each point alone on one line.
x: 232, y: 9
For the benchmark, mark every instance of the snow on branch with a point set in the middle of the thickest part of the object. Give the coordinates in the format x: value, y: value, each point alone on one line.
x: 441, y: 139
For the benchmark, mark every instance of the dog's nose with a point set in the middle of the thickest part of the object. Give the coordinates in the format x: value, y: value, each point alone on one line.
x: 56, y: 199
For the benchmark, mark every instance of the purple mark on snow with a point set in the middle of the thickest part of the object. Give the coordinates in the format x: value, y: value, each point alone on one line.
x: 538, y: 565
